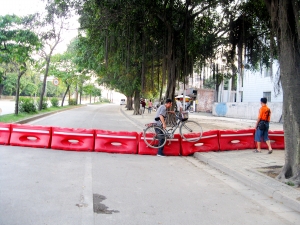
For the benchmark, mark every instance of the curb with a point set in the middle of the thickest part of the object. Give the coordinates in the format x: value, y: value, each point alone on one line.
x: 267, y: 190
x: 132, y: 119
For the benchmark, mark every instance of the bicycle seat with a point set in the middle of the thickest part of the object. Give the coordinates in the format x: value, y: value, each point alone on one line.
x: 150, y: 124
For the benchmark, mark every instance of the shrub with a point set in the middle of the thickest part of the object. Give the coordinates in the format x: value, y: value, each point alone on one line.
x: 44, y: 103
x: 26, y: 105
x: 105, y: 100
x: 54, y: 102
x: 72, y: 101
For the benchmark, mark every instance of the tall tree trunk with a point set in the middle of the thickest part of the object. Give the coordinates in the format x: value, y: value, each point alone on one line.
x: 20, y: 74
x: 63, y: 99
x: 129, y: 102
x: 171, y: 82
x: 284, y: 17
x: 136, y: 103
x: 44, y: 83
x: 17, y: 94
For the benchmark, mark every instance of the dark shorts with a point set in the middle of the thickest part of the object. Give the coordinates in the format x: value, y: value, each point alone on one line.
x: 262, y: 135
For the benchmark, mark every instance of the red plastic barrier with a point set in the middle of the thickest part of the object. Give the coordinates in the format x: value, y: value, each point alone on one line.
x: 30, y: 136
x: 171, y: 148
x: 73, y: 139
x: 276, y: 139
x: 4, y: 133
x: 208, y: 142
x: 116, y: 141
x: 236, y: 139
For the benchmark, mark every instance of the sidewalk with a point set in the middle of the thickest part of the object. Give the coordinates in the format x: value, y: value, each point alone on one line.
x: 243, y: 165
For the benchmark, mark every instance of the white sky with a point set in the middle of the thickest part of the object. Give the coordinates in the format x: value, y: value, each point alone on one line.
x: 25, y: 7
x: 20, y: 7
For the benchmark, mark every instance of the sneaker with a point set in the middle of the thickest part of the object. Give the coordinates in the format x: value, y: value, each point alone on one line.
x: 161, y: 155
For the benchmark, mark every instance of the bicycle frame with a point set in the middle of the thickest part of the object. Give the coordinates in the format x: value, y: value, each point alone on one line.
x: 171, y: 131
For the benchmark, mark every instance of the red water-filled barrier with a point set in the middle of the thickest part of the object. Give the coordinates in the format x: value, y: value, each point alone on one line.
x: 73, y: 139
x: 171, y: 148
x: 30, y: 136
x: 116, y: 141
x: 236, y: 139
x: 208, y: 142
x: 4, y: 133
x: 143, y: 148
x: 276, y: 139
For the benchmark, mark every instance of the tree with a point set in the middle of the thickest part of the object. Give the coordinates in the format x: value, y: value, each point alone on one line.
x: 92, y: 91
x: 286, y: 26
x: 17, y: 44
x: 63, y: 68
x: 51, y: 27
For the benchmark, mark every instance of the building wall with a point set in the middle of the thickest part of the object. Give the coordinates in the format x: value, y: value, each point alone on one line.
x: 257, y: 82
x: 247, y: 110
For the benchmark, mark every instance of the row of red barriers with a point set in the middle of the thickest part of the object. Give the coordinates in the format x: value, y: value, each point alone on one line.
x: 72, y: 139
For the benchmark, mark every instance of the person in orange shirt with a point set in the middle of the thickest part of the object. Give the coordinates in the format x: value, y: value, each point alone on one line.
x: 264, y: 116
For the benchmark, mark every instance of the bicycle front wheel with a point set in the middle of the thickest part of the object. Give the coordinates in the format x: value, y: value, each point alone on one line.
x: 191, y: 131
x: 154, y: 137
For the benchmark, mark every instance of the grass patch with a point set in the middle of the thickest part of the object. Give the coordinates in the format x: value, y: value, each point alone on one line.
x: 11, y: 118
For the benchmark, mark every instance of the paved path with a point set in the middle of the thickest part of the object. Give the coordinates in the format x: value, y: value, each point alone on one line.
x: 242, y: 165
x: 63, y: 182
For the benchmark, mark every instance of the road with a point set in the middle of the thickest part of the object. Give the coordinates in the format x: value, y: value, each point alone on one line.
x: 44, y: 186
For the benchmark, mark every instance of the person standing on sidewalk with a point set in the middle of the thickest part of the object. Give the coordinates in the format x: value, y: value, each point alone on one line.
x: 262, y: 126
x: 178, y: 106
x: 143, y: 104
x: 150, y: 105
x: 160, y: 121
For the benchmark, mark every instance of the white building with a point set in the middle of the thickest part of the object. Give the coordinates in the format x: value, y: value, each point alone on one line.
x: 251, y: 87
x: 260, y: 84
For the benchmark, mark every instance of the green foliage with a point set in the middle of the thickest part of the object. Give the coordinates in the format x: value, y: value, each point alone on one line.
x: 209, y: 83
x: 290, y: 183
x: 105, y: 100
x: 54, y: 102
x: 26, y: 105
x: 44, y: 103
x: 72, y: 102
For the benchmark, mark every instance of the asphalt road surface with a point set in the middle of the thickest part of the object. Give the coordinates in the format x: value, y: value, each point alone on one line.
x: 44, y: 186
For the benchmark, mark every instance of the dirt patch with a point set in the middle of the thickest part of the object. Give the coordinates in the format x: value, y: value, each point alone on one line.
x: 273, y: 172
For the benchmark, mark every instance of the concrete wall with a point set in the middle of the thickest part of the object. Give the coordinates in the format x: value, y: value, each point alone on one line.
x: 246, y: 110
x: 205, y: 100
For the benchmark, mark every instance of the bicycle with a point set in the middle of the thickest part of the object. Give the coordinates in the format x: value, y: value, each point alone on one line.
x: 155, y: 136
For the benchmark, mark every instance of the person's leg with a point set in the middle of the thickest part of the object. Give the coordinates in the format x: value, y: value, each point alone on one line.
x: 258, y: 146
x: 257, y: 138
x: 161, y: 141
x: 267, y: 140
x: 269, y: 145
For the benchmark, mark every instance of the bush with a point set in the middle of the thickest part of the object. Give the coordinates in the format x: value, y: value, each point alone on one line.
x: 26, y: 105
x: 72, y: 102
x: 105, y: 100
x: 44, y: 103
x: 54, y: 102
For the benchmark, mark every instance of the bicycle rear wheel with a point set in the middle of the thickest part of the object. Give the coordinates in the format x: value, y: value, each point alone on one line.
x: 154, y: 137
x: 191, y: 131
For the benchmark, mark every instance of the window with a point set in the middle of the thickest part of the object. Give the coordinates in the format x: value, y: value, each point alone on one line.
x: 267, y: 72
x: 267, y: 95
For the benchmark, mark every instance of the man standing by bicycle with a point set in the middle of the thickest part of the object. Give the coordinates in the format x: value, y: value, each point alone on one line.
x: 160, y: 121
x: 178, y: 105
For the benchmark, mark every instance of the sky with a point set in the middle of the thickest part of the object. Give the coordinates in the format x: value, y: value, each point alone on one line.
x: 25, y: 7
x: 20, y: 7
